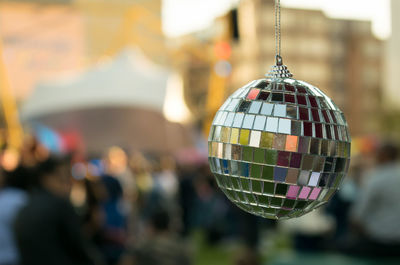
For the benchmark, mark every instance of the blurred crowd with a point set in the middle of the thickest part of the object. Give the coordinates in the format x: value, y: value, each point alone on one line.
x: 136, y: 208
x: 117, y: 208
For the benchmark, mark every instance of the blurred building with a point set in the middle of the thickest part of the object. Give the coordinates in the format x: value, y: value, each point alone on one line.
x: 341, y: 57
x: 41, y: 39
x: 392, y: 78
x: 111, y: 26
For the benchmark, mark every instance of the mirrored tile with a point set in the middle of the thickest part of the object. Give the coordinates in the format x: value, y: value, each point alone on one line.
x: 237, y: 122
x: 291, y: 143
x: 308, y: 161
x: 225, y: 166
x: 244, y: 137
x: 323, y: 194
x: 318, y: 130
x: 277, y: 97
x: 295, y: 160
x: 279, y: 142
x: 315, y: 115
x: 217, y: 133
x: 333, y: 116
x: 234, y: 136
x: 263, y: 95
x: 267, y: 140
x: 324, y: 179
x: 236, y: 152
x: 293, y: 191
x: 245, y: 184
x: 296, y: 128
x: 255, y: 107
x: 276, y: 201
x: 328, y: 131
x: 319, y: 162
x: 220, y: 150
x: 289, y: 88
x: 259, y: 123
x: 304, y: 145
x: 247, y: 153
x: 255, y: 138
x: 233, y: 104
x: 335, y: 130
x: 244, y: 106
x: 289, y: 98
x: 303, y: 177
x: 263, y: 200
x: 269, y: 188
x: 229, y: 119
x: 267, y: 174
x: 301, y: 89
x: 227, y: 151
x: 301, y: 100
x: 214, y: 149
x: 305, y: 191
x: 266, y: 109
x: 255, y: 171
x: 280, y: 174
x: 223, y: 118
x: 288, y: 204
x: 314, y: 194
x: 211, y: 133
x: 303, y: 112
x: 308, y: 131
x: 314, y: 179
x: 248, y: 121
x: 217, y: 165
x: 313, y: 101
x: 253, y: 94
x: 291, y: 112
x: 256, y: 186
x: 292, y: 176
x: 225, y: 134
x: 315, y: 146
x: 244, y: 169
x: 281, y: 189
x: 284, y: 126
x: 326, y: 116
x: 272, y: 124
x: 259, y: 155
x: 283, y: 158
x: 280, y: 110
x: 271, y: 157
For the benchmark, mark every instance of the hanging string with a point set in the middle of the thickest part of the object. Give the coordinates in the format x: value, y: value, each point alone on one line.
x: 278, y: 32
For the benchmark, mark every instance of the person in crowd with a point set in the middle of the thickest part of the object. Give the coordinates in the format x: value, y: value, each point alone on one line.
x: 13, y: 196
x: 47, y: 229
x: 376, y: 213
x: 116, y: 163
x: 161, y: 246
x: 114, y: 231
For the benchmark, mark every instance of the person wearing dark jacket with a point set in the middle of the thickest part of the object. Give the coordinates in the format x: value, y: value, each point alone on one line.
x: 47, y: 229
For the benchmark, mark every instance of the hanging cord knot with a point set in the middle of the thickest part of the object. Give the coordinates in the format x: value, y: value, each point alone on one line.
x: 278, y: 70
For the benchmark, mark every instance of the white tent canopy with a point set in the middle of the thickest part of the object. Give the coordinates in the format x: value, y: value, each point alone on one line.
x: 128, y: 80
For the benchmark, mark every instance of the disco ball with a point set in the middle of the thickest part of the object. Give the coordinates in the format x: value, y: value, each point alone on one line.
x: 279, y: 147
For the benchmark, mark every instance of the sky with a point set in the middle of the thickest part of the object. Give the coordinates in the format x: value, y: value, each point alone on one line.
x: 184, y: 16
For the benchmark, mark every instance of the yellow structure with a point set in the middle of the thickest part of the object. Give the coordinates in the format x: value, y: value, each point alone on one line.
x: 14, y: 129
